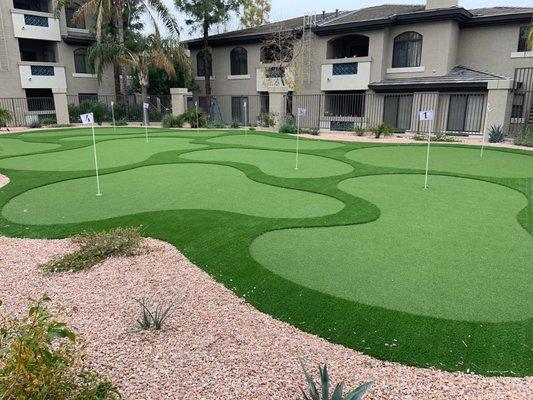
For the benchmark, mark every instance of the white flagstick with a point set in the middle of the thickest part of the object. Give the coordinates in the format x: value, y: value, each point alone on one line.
x: 427, y: 116
x: 113, y: 116
x: 145, y: 108
x: 197, y: 119
x: 489, y: 109
x: 245, y: 118
x: 98, y: 193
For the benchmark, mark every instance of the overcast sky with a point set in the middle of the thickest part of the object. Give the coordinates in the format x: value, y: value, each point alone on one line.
x: 283, y: 9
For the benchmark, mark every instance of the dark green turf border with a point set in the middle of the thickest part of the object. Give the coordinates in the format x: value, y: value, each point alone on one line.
x: 203, y: 236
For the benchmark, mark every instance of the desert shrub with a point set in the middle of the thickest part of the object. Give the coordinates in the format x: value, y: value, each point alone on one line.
x: 382, y: 130
x: 121, y: 122
x: 268, y: 119
x: 526, y: 139
x: 171, y: 121
x: 359, y: 130
x: 95, y: 247
x: 153, y: 316
x: 5, y: 117
x: 40, y: 358
x: 495, y: 134
x: 443, y: 137
x: 235, y: 124
x: 420, y: 136
x: 190, y: 116
x: 322, y: 391
x: 288, y: 127
x: 48, y: 121
x: 215, y: 124
x: 34, y: 124
x: 99, y: 111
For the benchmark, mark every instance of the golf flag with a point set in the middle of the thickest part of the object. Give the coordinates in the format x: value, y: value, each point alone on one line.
x: 426, y: 115
x: 302, y: 112
x: 146, y: 106
x: 87, y: 119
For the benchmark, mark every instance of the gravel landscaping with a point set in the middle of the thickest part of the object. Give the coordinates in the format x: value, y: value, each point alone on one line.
x: 214, y: 346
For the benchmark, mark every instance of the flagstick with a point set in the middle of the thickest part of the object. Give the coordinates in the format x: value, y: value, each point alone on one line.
x: 96, y: 163
x: 145, y: 124
x: 197, y: 119
x: 297, y: 140
x: 113, y: 116
x: 427, y: 157
x: 245, y: 118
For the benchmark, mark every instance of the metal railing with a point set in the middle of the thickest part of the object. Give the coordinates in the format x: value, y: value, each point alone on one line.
x: 521, y: 118
x: 454, y: 113
x: 29, y: 111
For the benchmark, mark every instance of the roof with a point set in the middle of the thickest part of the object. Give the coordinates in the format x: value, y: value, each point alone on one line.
x: 375, y: 17
x: 459, y: 76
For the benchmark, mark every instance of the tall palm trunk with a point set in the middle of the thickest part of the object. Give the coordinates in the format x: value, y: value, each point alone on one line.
x: 207, y: 63
x: 120, y: 40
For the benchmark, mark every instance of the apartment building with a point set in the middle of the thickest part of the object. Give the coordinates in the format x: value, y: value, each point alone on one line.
x: 385, y: 64
x: 42, y: 56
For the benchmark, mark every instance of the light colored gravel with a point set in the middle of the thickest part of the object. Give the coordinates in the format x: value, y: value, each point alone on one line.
x: 347, y: 137
x: 215, y: 346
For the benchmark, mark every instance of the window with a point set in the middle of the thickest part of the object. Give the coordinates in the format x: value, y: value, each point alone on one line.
x: 397, y: 111
x: 522, y: 39
x: 239, y: 61
x: 238, y: 109
x: 465, y: 113
x: 517, y: 111
x: 201, y: 64
x: 407, y: 51
x: 80, y: 62
x: 87, y: 97
x: 265, y: 103
x: 348, y: 46
x: 69, y: 12
x: 345, y: 69
x: 344, y: 104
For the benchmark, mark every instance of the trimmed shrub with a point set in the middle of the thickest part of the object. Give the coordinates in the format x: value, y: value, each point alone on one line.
x: 288, y: 127
x: 40, y: 358
x: 359, y: 131
x: 382, y: 130
x: 121, y: 122
x: 5, y: 117
x: 496, y: 134
x: 268, y: 119
x: 48, y: 121
x: 171, y: 121
x: 526, y: 139
x: 193, y: 118
x: 96, y: 247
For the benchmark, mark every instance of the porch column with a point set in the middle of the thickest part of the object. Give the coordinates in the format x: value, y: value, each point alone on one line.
x: 276, y: 101
x: 499, y: 103
x: 61, y: 105
x: 179, y: 99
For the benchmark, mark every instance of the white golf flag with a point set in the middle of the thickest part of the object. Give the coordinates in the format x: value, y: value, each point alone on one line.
x: 87, y: 119
x: 302, y: 112
x: 146, y: 106
x: 426, y: 115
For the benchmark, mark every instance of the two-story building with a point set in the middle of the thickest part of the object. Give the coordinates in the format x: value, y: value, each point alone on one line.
x: 41, y: 55
x: 384, y: 64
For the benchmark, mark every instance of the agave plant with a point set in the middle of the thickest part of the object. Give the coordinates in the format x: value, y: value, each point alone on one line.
x: 496, y: 134
x: 324, y: 392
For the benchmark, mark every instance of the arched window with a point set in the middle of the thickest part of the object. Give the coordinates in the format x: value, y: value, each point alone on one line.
x: 80, y: 62
x: 70, y: 10
x: 201, y: 65
x: 407, y: 50
x: 239, y: 61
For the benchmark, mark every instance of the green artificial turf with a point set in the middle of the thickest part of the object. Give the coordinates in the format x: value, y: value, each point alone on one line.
x: 448, y: 158
x: 276, y: 163
x: 15, y: 147
x: 163, y: 187
x: 431, y: 252
x: 111, y: 153
x: 359, y: 254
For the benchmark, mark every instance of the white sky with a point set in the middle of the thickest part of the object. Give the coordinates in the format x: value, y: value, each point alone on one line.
x: 283, y: 9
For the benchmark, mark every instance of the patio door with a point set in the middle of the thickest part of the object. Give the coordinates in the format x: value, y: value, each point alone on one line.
x: 238, y: 109
x: 465, y: 113
x: 397, y: 111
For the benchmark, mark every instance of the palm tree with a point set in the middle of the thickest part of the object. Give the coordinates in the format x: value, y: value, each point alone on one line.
x: 112, y: 12
x: 142, y: 55
x: 529, y: 38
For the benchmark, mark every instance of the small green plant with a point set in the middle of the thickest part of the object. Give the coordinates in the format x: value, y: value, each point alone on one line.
x: 496, y: 134
x: 121, y: 122
x: 359, y: 130
x: 251, y: 128
x: 40, y: 358
x: 268, y: 119
x: 288, y: 127
x: 171, y: 121
x: 419, y: 136
x: 382, y: 130
x: 443, y: 137
x: 48, y: 121
x: 99, y: 111
x: 325, y: 385
x: 5, y: 117
x: 34, y: 124
x: 215, y: 124
x: 95, y: 247
x: 153, y: 317
x: 236, y: 124
x: 193, y: 118
x: 526, y: 139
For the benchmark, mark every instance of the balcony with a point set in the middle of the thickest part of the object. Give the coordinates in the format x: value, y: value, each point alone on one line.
x: 346, y: 74
x: 277, y: 76
x: 42, y: 75
x: 35, y: 25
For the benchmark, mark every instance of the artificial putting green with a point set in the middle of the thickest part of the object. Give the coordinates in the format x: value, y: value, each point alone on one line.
x: 449, y: 159
x: 348, y: 247
x: 276, y: 163
x: 414, y: 253
x: 16, y: 147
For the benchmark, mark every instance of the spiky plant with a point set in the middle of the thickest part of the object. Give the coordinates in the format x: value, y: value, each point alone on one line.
x: 5, y: 117
x: 323, y: 393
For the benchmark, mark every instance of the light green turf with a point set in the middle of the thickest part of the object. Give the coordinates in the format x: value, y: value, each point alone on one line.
x: 112, y: 153
x: 448, y: 159
x: 109, y: 134
x: 164, y: 187
x: 14, y: 147
x: 271, y: 142
x: 276, y: 163
x: 455, y: 251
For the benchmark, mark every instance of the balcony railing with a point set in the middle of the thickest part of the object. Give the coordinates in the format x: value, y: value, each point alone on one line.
x: 35, y: 75
x: 346, y: 74
x: 268, y: 77
x: 35, y: 25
